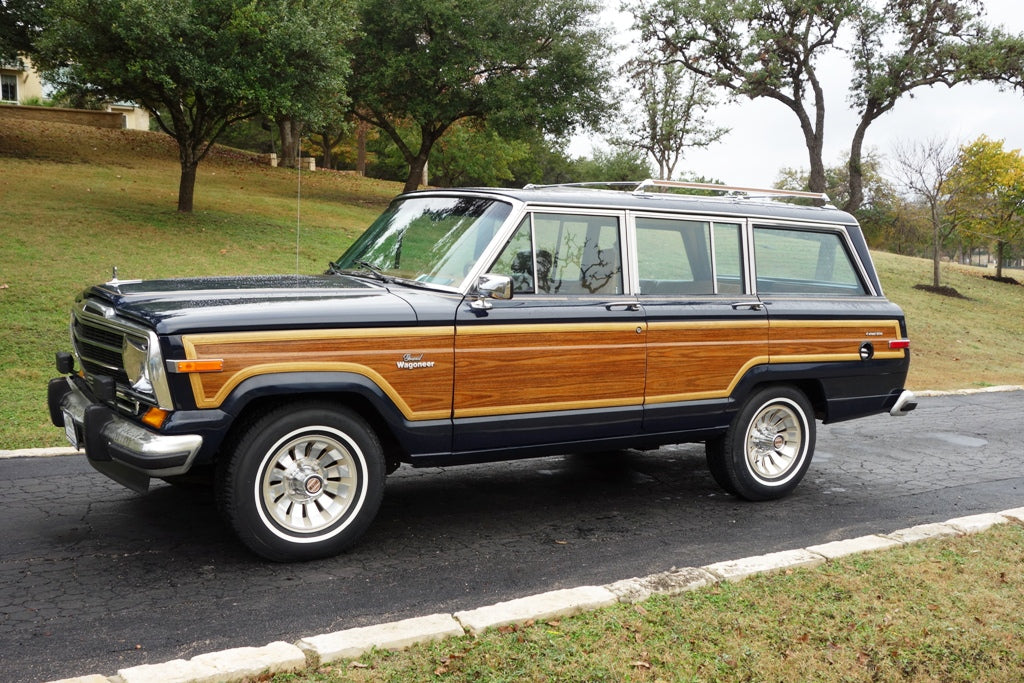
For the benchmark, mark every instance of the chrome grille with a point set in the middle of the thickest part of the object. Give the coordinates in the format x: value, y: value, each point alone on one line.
x: 98, y: 336
x: 99, y: 348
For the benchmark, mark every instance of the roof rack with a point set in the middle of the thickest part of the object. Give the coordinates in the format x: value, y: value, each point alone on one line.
x: 593, y: 183
x: 642, y: 186
x: 746, y: 191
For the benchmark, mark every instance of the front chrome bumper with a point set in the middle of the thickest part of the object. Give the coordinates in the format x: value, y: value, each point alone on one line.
x: 125, y: 451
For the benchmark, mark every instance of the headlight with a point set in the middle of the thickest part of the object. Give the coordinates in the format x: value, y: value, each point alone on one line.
x: 135, y: 356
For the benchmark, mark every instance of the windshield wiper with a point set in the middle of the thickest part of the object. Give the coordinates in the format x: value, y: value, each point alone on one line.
x: 375, y: 272
x: 373, y: 269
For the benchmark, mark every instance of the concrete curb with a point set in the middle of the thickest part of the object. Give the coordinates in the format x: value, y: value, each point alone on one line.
x: 250, y: 662
x: 38, y: 452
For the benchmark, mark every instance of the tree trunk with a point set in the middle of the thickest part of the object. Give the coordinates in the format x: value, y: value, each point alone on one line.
x: 1000, y: 253
x: 326, y: 144
x: 814, y: 141
x: 936, y: 243
x: 416, y: 169
x: 856, y: 173
x: 186, y: 186
x: 288, y: 129
x: 418, y: 163
x: 361, y: 130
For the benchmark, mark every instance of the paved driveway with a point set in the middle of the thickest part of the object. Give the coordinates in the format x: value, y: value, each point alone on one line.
x: 94, y: 578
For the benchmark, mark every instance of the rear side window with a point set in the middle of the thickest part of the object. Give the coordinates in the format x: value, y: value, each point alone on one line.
x: 791, y: 261
x: 677, y: 256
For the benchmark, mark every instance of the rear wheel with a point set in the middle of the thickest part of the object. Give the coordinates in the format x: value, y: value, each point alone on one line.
x: 768, y: 447
x: 303, y: 482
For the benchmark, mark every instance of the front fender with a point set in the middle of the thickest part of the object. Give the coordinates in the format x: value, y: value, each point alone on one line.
x: 413, y: 436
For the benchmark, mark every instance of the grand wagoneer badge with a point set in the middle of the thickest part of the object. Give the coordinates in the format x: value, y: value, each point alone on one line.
x: 411, y: 362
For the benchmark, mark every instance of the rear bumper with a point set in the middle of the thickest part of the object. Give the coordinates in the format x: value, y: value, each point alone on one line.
x: 904, y: 404
x: 125, y: 451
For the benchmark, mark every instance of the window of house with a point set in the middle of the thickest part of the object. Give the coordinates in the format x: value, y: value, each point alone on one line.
x: 8, y: 88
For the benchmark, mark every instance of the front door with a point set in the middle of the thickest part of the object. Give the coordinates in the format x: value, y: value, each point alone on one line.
x: 564, y: 359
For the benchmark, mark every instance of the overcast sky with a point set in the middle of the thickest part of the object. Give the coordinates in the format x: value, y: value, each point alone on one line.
x: 765, y: 135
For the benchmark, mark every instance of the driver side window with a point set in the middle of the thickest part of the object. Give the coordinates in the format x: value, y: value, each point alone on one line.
x: 563, y: 254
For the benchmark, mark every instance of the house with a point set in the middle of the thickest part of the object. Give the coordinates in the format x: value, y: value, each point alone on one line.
x: 21, y: 85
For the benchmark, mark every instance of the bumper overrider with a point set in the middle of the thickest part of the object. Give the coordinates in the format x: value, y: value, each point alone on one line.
x: 906, y: 402
x: 125, y: 451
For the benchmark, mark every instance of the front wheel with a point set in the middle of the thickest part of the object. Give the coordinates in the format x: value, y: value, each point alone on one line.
x: 768, y: 447
x: 303, y: 482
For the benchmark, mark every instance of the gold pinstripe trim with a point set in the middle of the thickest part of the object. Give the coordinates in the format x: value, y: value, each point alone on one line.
x: 895, y: 324
x: 525, y: 328
x: 545, y: 407
x: 700, y: 395
x: 266, y: 369
x: 189, y: 341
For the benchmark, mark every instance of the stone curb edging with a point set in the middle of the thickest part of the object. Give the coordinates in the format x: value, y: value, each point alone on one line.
x: 247, y: 662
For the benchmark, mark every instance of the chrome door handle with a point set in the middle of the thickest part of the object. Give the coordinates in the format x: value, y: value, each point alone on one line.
x: 749, y: 305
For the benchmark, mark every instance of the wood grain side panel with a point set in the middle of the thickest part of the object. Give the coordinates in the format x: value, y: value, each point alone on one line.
x: 421, y: 392
x: 509, y: 369
x: 699, y: 360
x: 813, y: 340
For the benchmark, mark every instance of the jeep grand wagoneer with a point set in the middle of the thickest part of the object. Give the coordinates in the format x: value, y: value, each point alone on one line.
x: 483, y: 324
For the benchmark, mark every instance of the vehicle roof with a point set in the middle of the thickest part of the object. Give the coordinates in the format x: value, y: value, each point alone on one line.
x: 733, y: 205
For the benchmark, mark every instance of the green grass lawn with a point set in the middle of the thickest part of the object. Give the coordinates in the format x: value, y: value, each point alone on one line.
x: 79, y: 201
x: 943, y: 610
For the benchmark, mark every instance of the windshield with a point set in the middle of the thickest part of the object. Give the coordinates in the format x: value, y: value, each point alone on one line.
x: 435, y: 240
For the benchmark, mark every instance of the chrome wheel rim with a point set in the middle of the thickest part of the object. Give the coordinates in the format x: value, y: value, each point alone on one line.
x: 775, y: 442
x: 310, y: 482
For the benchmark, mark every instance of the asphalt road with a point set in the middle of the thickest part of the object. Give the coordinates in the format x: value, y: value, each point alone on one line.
x: 94, y: 578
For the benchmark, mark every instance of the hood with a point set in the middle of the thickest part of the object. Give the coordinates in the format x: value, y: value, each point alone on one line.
x: 254, y: 302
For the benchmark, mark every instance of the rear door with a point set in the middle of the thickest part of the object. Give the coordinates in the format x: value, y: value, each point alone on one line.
x: 705, y: 328
x: 564, y: 359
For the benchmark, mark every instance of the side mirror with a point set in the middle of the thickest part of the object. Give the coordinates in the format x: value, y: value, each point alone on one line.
x: 491, y: 286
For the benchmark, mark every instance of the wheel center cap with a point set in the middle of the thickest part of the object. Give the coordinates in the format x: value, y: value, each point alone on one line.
x: 779, y: 442
x: 314, y: 484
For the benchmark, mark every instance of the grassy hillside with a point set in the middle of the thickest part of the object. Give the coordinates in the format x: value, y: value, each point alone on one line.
x: 78, y: 201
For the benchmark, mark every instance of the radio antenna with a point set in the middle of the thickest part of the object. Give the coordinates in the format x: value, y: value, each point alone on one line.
x: 298, y: 210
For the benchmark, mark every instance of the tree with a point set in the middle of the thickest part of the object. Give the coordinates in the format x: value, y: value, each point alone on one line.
x: 472, y: 154
x: 773, y: 48
x: 924, y: 168
x: 199, y: 65
x: 669, y: 114
x: 516, y: 64
x: 989, y: 194
x: 883, y: 212
x: 19, y: 26
x: 618, y: 164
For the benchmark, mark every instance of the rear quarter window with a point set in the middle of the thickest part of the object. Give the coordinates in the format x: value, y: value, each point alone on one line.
x: 795, y: 261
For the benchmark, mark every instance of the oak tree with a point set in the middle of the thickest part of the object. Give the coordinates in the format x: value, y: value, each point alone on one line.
x: 516, y: 64
x: 200, y: 65
x: 775, y: 49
